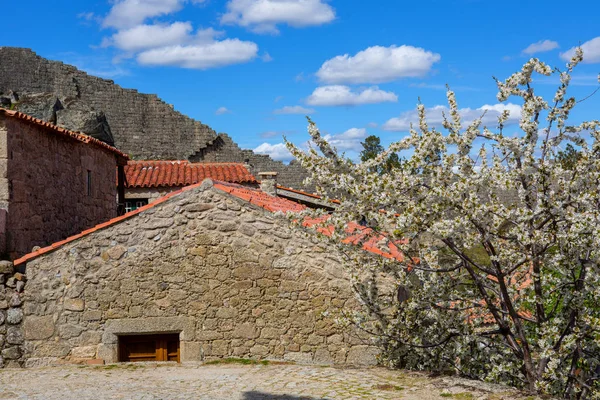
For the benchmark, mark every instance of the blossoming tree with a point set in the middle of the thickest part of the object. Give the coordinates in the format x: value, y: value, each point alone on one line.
x: 501, y: 279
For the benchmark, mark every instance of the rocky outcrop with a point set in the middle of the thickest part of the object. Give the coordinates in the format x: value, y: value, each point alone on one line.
x: 79, y: 117
x: 67, y: 113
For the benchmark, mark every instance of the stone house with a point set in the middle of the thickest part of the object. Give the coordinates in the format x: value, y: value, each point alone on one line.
x: 146, y: 181
x: 212, y: 270
x: 53, y: 183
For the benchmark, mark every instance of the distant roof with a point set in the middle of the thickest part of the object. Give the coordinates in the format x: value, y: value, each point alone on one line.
x: 80, y: 137
x: 260, y: 198
x: 149, y: 174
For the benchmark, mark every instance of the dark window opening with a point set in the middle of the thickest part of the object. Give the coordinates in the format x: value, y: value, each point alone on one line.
x: 134, y: 204
x: 137, y: 348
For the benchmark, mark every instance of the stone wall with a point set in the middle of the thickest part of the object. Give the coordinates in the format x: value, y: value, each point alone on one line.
x: 224, y: 149
x: 44, y: 185
x: 142, y: 125
x: 11, y: 317
x: 232, y: 279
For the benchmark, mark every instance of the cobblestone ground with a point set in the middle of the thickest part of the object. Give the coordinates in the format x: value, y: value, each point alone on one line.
x: 243, y: 382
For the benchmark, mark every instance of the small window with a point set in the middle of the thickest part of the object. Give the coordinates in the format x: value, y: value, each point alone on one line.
x: 137, y: 348
x: 89, y: 183
x: 132, y: 204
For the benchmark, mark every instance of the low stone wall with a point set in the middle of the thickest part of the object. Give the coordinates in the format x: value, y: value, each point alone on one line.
x: 11, y: 317
x: 231, y: 279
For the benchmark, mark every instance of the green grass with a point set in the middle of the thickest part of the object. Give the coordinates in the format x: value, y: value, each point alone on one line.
x: 459, y: 396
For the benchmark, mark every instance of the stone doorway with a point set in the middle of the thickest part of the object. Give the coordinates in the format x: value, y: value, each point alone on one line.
x: 137, y: 348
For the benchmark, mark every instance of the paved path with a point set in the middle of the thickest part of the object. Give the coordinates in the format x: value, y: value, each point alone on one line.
x: 238, y: 382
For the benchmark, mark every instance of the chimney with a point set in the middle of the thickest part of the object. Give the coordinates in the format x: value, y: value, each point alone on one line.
x: 247, y: 165
x: 268, y: 182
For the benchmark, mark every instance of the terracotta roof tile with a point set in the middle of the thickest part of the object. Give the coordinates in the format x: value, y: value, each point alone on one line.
x: 148, y: 174
x: 314, y: 196
x: 260, y: 198
x: 64, y: 132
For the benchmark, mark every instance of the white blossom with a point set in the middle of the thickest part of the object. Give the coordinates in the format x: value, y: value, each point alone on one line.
x: 501, y: 239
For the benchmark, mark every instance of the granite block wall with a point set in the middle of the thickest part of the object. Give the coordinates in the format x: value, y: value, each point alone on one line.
x: 45, y: 186
x: 231, y: 279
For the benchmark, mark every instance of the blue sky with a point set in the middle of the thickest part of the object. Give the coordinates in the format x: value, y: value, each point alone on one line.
x: 255, y: 68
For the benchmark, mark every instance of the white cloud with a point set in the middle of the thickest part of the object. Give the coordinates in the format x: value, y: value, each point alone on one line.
x: 540, y: 47
x: 372, y: 124
x: 337, y: 95
x: 149, y: 36
x: 591, y: 52
x: 468, y: 115
x: 349, y: 140
x: 129, y: 13
x: 201, y: 56
x: 276, y: 151
x: 294, y: 110
x: 378, y: 64
x: 266, y: 57
x: 222, y: 110
x: 263, y: 16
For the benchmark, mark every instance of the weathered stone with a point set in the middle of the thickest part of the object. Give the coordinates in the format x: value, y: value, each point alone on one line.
x: 246, y: 331
x: 20, y: 286
x: 74, y: 304
x: 69, y: 331
x: 362, y: 355
x: 79, y: 117
x: 6, y: 267
x: 199, y: 207
x: 92, y: 315
x: 39, y: 328
x: 19, y: 276
x: 3, y: 304
x: 15, y: 300
x: 13, y: 316
x: 228, y: 226
x: 158, y: 223
x: 11, y: 282
x: 322, y: 356
x: 40, y: 105
x: 116, y: 252
x: 271, y: 333
x: 259, y: 350
x: 84, y: 352
x: 11, y: 353
x: 14, y: 335
x: 297, y: 357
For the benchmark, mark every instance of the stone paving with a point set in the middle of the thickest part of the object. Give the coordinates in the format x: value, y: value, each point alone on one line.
x: 239, y: 382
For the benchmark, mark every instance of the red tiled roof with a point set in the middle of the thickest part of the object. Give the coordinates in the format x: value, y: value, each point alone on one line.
x: 314, y: 196
x: 64, y: 132
x: 147, y: 174
x: 260, y: 198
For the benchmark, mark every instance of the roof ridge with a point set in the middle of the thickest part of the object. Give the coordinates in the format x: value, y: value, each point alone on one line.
x: 79, y: 136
